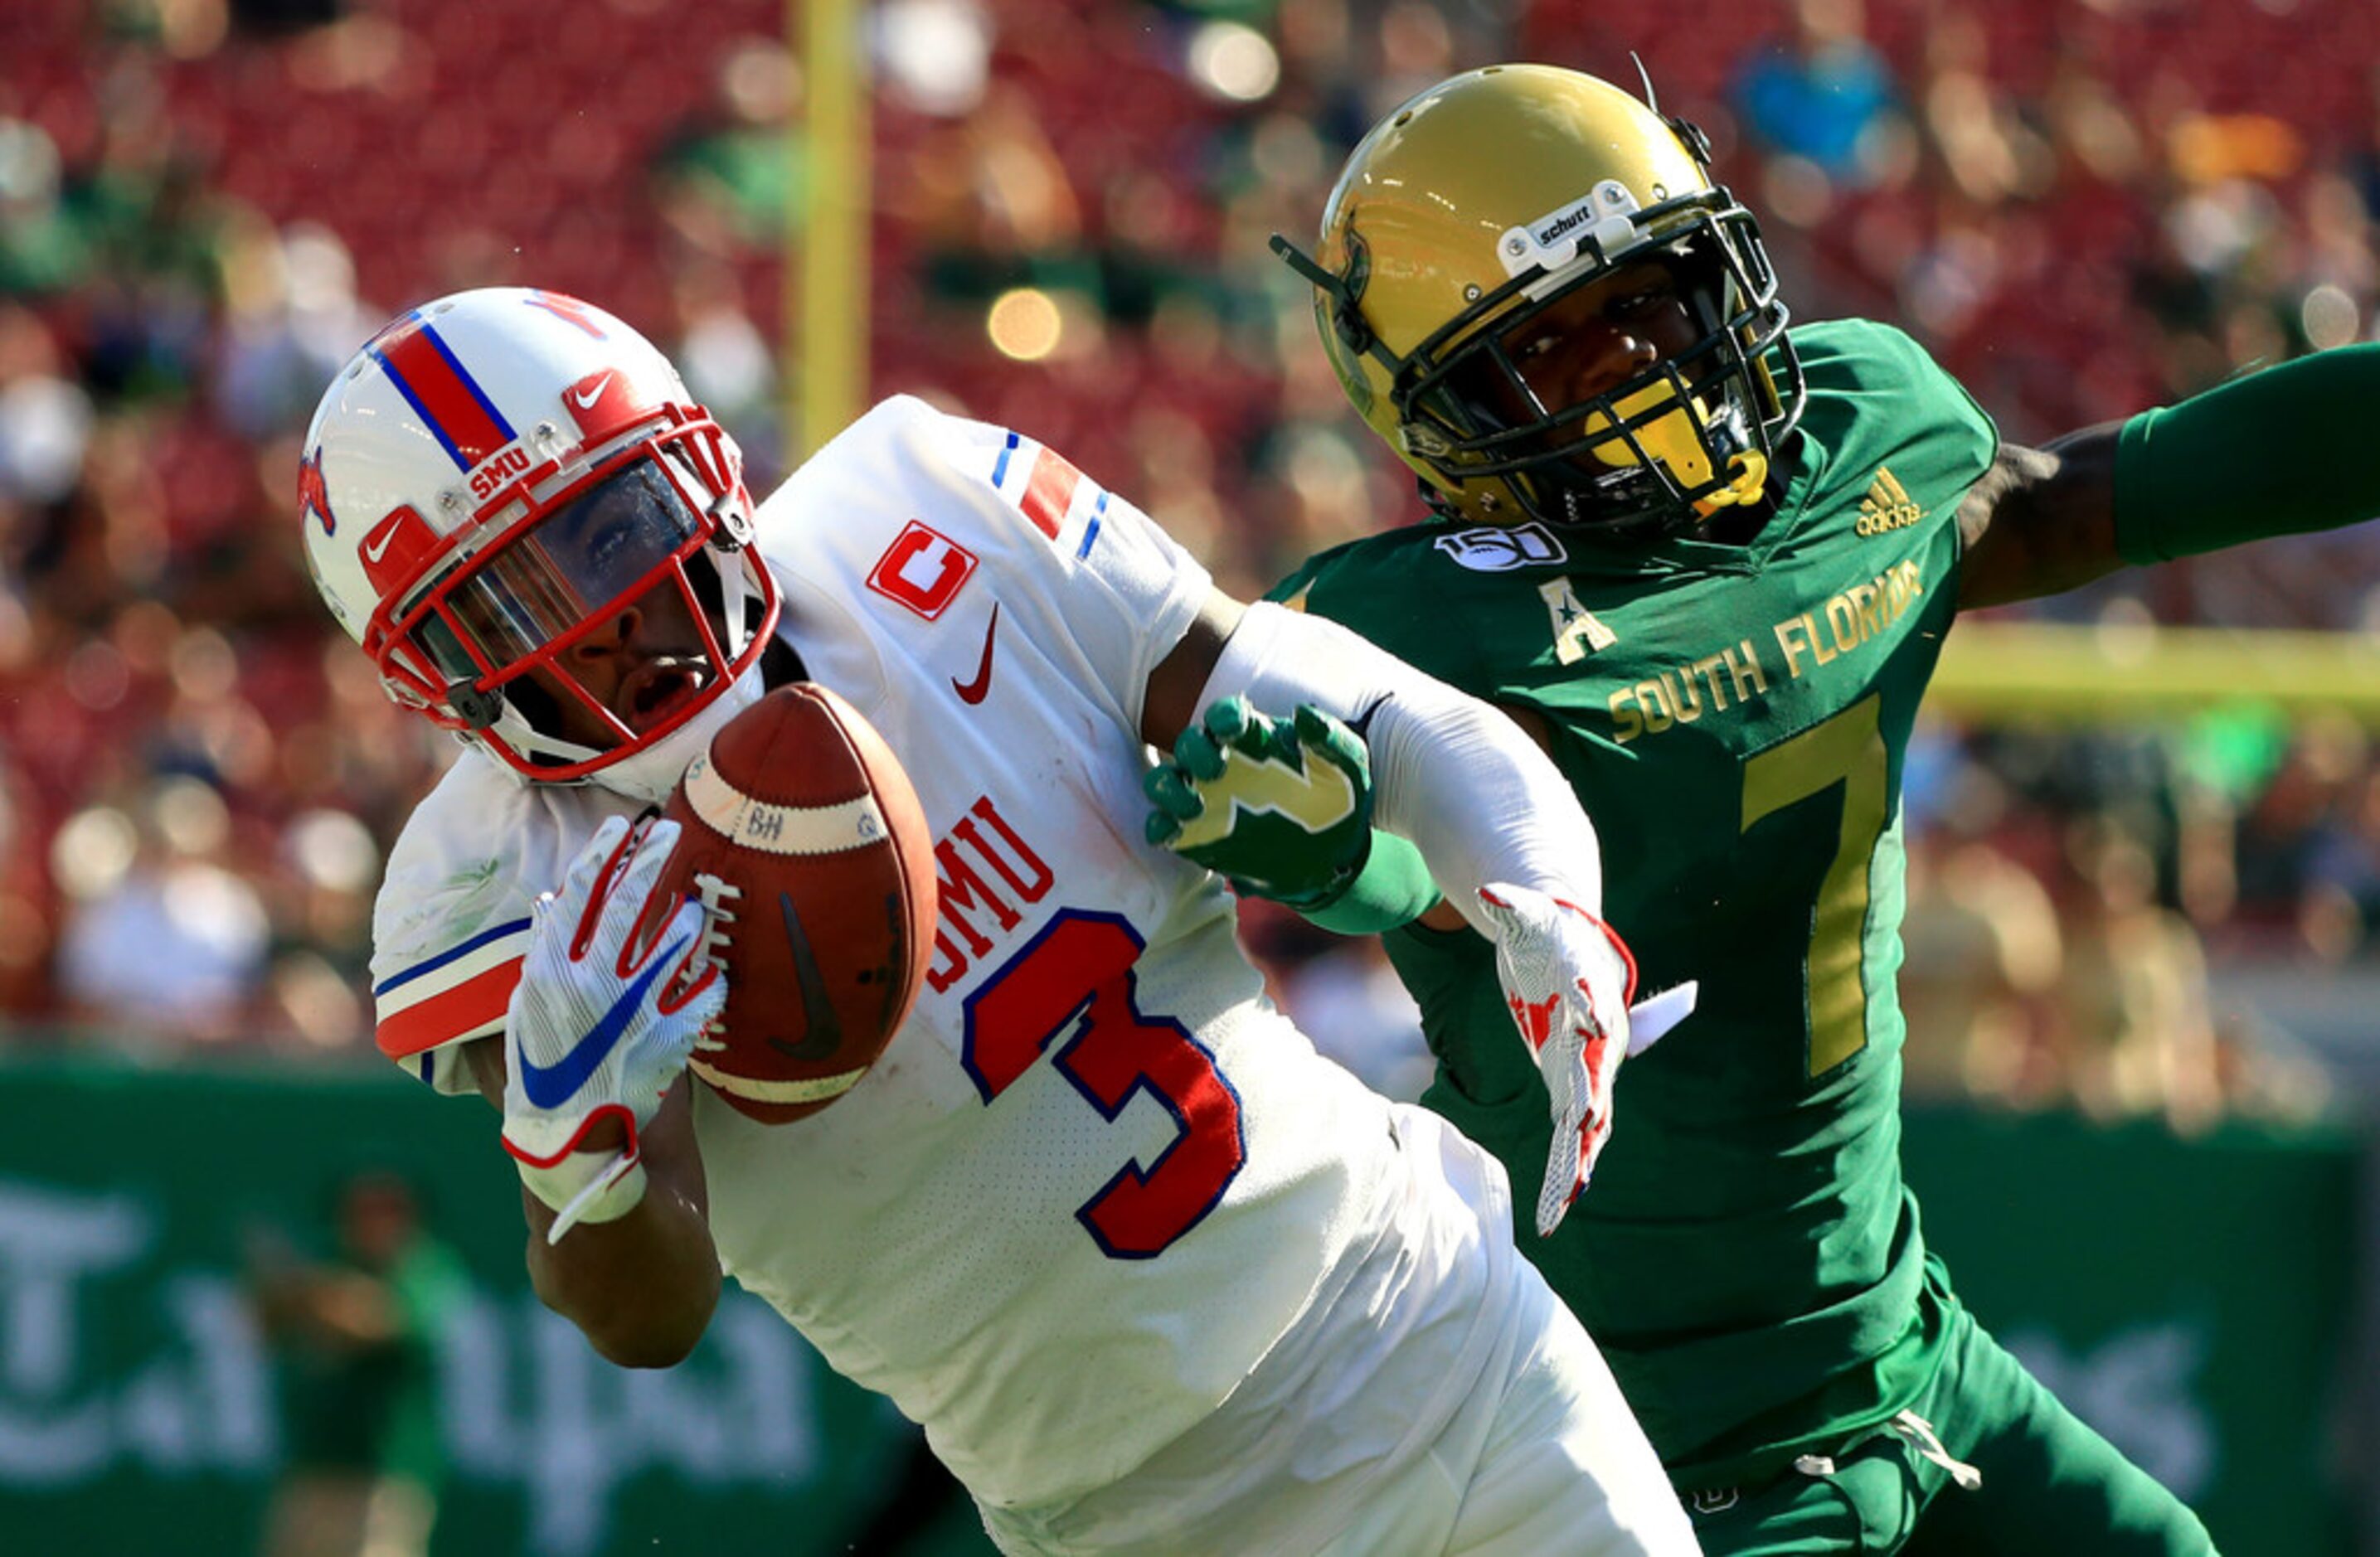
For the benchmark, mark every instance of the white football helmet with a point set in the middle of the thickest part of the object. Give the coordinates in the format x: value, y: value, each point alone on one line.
x: 501, y: 473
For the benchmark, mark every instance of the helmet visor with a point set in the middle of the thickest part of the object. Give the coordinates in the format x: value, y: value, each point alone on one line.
x: 592, y: 554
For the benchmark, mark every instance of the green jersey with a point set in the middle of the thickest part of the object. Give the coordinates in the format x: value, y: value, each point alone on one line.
x: 1734, y: 720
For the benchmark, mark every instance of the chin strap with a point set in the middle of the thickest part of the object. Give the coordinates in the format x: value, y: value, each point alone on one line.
x: 648, y: 776
x: 734, y: 589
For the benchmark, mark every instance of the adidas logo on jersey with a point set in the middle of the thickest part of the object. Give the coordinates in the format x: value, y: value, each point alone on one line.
x: 1888, y: 506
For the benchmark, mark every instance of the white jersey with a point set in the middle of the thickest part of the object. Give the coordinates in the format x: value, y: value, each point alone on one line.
x: 1095, y: 1178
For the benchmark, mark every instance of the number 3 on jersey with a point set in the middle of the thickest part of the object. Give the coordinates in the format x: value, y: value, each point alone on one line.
x: 1078, y: 974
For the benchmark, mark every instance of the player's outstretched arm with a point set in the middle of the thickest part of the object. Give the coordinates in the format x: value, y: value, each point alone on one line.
x: 1281, y: 808
x: 1456, y: 777
x: 595, y: 1102
x: 1500, y: 827
x: 641, y: 1289
x: 2278, y: 451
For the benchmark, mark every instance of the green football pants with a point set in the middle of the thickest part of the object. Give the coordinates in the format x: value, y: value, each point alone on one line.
x: 2050, y: 1485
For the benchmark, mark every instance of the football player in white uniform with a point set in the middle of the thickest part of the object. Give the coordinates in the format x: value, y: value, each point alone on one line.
x: 1152, y: 1275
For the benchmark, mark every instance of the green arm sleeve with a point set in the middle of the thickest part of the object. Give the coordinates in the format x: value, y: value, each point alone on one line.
x: 2272, y: 454
x: 1392, y: 888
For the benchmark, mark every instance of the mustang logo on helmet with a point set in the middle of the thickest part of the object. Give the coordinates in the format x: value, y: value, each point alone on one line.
x: 563, y: 305
x: 313, y: 494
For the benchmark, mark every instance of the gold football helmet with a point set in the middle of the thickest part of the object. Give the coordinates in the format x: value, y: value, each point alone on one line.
x: 1470, y: 214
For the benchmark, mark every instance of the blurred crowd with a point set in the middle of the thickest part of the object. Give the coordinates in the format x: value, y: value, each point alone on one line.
x: 2082, y: 206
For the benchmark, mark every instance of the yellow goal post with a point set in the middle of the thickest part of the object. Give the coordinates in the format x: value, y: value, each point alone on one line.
x: 1998, y: 671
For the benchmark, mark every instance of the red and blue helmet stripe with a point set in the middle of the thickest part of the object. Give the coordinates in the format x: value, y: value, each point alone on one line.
x: 442, y: 392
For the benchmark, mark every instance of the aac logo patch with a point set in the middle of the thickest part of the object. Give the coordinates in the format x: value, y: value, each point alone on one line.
x: 1577, y: 631
x: 923, y: 569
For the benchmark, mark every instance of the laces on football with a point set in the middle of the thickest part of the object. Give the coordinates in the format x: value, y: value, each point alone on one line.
x: 716, y: 898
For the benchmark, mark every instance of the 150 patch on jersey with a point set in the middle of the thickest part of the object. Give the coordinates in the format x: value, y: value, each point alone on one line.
x: 1496, y: 549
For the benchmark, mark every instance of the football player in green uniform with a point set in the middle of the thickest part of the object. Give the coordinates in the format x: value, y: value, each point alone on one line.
x: 1710, y: 563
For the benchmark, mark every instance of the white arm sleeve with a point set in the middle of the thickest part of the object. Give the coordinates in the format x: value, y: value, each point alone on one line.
x: 1461, y: 779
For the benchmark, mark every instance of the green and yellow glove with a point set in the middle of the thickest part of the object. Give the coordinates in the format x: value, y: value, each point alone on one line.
x: 1280, y: 808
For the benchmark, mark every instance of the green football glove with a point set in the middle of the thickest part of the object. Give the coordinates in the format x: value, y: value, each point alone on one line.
x: 1280, y: 808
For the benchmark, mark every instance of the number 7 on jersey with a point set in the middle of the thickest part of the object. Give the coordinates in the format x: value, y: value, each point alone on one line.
x: 1847, y: 750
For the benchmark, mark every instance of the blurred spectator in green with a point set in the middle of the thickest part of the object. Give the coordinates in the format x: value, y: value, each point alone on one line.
x: 41, y: 248
x: 725, y: 178
x: 354, y: 1335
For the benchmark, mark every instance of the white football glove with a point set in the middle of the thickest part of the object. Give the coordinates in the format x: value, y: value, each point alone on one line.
x: 592, y: 1034
x: 1568, y: 978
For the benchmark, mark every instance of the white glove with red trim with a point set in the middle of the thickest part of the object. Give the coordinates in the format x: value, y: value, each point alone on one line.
x: 1568, y: 978
x: 600, y: 1028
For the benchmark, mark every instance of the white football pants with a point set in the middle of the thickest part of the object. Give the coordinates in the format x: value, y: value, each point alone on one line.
x: 1444, y: 1402
x: 1550, y: 1464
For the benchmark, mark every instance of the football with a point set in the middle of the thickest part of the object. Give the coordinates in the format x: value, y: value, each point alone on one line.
x: 802, y: 837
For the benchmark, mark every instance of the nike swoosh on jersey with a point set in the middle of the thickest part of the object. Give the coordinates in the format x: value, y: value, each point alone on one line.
x: 549, y: 1086
x: 974, y: 692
